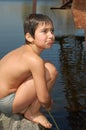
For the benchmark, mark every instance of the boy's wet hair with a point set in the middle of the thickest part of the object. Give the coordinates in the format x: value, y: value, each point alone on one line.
x: 32, y: 21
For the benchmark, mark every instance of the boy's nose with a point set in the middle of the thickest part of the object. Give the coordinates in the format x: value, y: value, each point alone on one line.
x: 51, y: 34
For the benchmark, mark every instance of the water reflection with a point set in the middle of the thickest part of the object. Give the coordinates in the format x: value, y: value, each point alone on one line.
x: 77, y: 120
x: 73, y: 69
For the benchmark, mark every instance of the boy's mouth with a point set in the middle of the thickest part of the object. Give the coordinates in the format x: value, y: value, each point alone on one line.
x: 50, y: 41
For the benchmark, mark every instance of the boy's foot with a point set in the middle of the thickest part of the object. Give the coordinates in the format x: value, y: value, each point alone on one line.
x: 38, y: 118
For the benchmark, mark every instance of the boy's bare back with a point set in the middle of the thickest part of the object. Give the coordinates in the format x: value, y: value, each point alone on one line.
x: 15, y: 68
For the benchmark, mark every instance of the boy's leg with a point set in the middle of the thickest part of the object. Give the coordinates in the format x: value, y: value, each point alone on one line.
x: 35, y: 115
x: 26, y: 101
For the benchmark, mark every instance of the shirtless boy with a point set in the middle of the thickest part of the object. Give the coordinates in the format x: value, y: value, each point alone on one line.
x: 26, y: 79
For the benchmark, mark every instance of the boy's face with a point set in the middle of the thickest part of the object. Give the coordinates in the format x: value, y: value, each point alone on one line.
x: 44, y: 35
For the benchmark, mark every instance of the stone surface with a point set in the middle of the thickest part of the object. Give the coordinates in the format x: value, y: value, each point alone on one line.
x: 16, y: 122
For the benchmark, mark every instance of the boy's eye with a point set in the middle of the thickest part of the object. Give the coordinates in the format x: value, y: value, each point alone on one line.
x: 52, y: 30
x: 45, y: 30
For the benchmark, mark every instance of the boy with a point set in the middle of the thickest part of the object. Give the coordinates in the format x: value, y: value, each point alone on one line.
x: 25, y: 79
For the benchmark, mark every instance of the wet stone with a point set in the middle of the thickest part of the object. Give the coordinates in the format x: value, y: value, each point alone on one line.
x: 17, y: 122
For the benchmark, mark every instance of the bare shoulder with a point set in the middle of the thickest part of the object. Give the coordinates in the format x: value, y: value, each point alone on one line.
x: 33, y: 59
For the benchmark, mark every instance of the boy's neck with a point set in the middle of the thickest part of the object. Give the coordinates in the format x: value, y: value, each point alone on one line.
x: 35, y: 49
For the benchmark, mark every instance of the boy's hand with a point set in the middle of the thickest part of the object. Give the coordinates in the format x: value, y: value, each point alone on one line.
x: 49, y: 105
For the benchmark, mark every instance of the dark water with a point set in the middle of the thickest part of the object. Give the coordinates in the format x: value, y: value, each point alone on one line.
x: 69, y: 94
x: 68, y: 54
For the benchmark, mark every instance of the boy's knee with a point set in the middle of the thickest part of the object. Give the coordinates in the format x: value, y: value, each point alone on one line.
x: 52, y: 70
x: 54, y: 73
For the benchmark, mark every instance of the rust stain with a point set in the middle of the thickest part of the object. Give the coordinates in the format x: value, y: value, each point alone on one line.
x: 79, y: 13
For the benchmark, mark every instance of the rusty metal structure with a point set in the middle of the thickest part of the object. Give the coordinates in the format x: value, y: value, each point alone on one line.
x: 34, y: 6
x: 66, y: 4
x: 79, y: 13
x: 78, y: 8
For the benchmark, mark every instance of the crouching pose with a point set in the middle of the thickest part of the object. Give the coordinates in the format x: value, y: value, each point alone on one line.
x: 26, y: 80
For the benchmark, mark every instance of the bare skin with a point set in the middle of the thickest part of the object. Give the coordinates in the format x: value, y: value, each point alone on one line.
x: 24, y: 72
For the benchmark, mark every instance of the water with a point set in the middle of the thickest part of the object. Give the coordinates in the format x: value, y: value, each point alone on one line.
x: 69, y: 93
x: 67, y: 54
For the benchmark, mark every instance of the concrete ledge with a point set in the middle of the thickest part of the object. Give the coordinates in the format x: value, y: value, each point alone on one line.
x: 17, y: 122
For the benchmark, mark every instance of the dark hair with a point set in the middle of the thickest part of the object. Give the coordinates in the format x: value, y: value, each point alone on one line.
x: 31, y: 22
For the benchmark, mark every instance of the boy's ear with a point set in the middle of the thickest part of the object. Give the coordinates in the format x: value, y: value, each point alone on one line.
x: 28, y: 37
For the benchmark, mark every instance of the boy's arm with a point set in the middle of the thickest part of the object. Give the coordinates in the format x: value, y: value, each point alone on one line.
x: 40, y: 83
